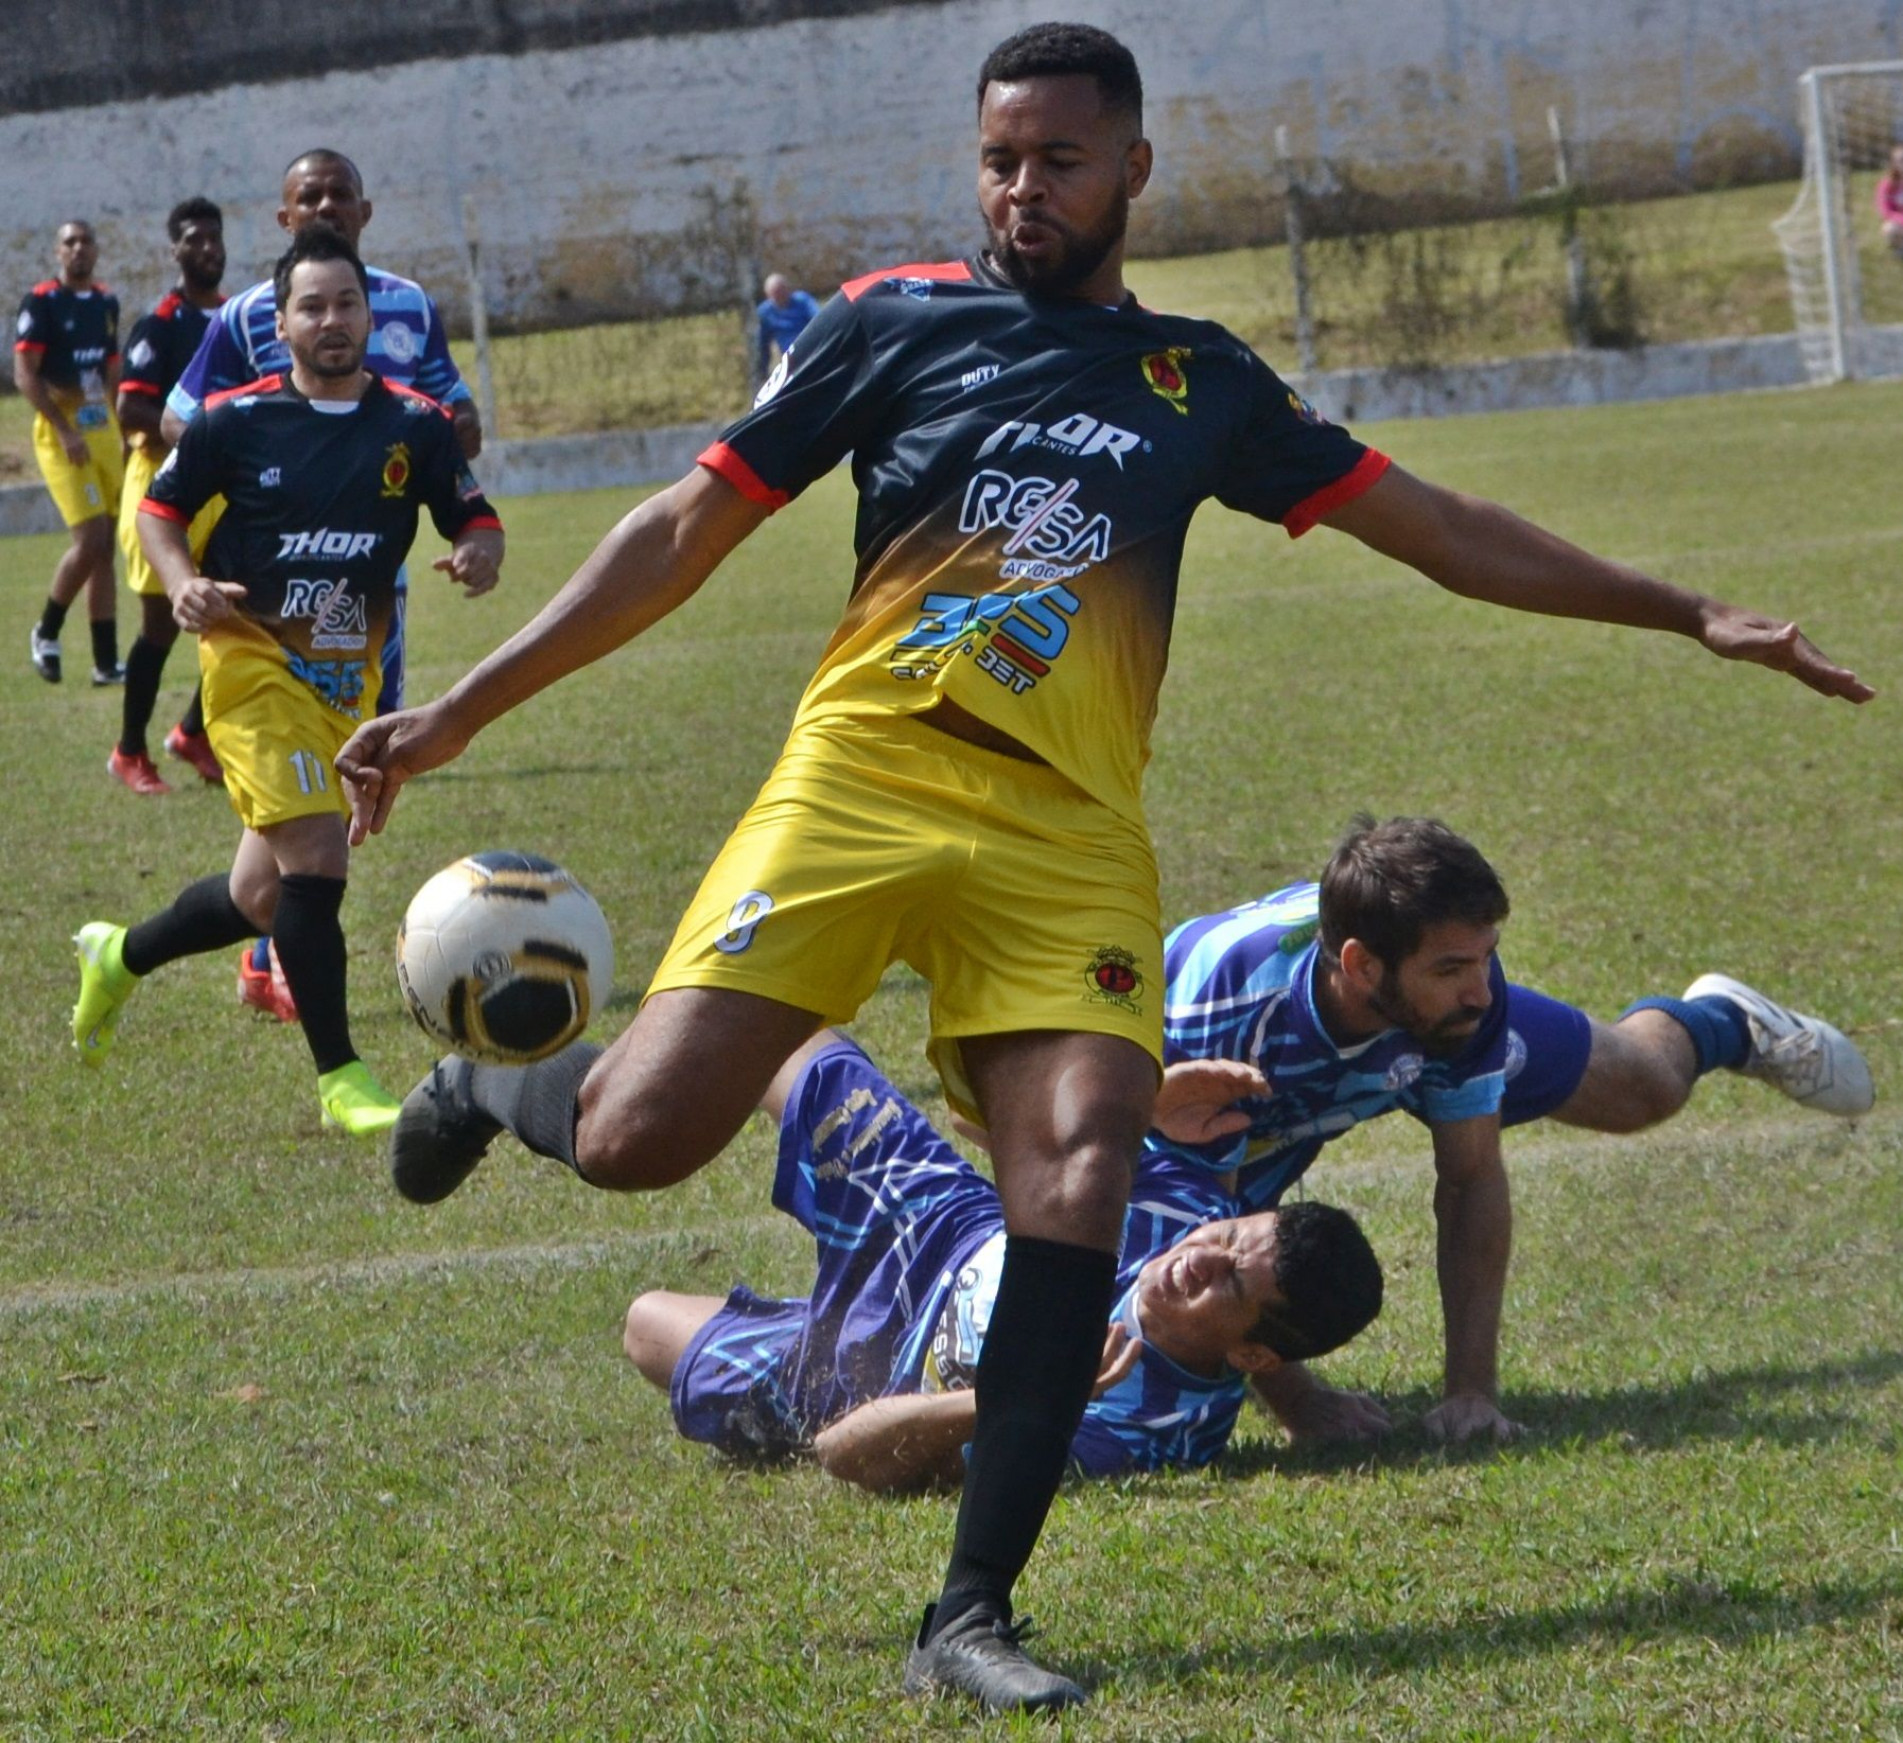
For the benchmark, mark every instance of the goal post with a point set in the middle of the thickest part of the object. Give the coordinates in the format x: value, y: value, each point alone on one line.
x: 1846, y: 275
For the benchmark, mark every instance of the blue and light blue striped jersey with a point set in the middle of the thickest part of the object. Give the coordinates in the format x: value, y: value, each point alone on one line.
x: 407, y: 345
x: 910, y: 1239
x: 1240, y: 985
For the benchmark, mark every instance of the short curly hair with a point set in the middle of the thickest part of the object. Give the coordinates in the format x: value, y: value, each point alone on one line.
x: 1043, y: 51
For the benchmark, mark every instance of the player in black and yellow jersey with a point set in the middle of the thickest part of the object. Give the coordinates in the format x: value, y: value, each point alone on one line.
x: 157, y: 349
x: 66, y: 366
x: 324, y: 472
x: 960, y: 789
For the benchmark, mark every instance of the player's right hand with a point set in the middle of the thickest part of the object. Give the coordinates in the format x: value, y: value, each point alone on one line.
x: 200, y: 603
x: 1195, y: 1103
x: 1120, y: 1352
x: 75, y: 445
x: 384, y: 753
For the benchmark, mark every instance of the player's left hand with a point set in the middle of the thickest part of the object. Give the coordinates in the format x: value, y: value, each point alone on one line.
x: 1195, y: 1103
x: 472, y: 566
x: 1468, y: 1416
x: 1733, y: 633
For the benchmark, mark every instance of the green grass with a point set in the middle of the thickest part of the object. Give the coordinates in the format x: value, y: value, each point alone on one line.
x: 281, y: 1456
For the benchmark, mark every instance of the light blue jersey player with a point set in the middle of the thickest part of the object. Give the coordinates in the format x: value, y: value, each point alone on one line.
x: 408, y: 346
x: 1291, y: 1019
x: 910, y: 1241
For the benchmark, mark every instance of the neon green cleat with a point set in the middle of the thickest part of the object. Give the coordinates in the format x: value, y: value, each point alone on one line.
x: 105, y: 983
x: 355, y: 1102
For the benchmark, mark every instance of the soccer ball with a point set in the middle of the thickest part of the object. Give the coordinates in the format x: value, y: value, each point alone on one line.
x: 504, y: 957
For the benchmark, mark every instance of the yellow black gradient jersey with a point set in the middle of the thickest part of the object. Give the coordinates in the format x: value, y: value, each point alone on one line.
x: 322, y: 510
x: 1027, y: 468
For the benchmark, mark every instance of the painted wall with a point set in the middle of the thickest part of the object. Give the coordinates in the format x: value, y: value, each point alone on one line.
x: 611, y: 171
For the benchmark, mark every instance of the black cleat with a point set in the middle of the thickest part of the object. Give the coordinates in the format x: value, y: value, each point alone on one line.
x: 979, y: 1655
x: 440, y: 1135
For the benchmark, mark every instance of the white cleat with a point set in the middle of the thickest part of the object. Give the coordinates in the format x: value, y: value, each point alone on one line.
x: 1802, y: 1056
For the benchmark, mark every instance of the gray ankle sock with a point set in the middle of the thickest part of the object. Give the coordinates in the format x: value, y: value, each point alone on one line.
x: 538, y: 1103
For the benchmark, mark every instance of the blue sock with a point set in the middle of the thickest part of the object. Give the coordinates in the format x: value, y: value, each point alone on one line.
x: 1720, y: 1035
x: 261, y: 956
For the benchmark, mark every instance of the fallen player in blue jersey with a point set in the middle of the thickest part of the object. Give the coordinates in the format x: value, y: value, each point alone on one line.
x: 872, y: 1373
x: 1291, y: 1019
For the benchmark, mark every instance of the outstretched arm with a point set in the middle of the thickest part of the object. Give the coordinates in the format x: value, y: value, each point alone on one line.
x: 654, y: 560
x: 1473, y: 1212
x: 1483, y: 551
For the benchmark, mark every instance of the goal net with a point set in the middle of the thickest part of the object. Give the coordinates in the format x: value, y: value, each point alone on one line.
x: 1846, y: 273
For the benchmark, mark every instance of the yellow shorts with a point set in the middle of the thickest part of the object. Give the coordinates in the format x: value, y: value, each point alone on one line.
x: 1026, y: 903
x: 84, y: 492
x: 275, y: 738
x: 140, y: 466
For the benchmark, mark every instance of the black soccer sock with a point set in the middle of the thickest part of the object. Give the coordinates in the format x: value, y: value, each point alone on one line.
x: 309, y: 935
x: 192, y: 721
x: 52, y: 620
x: 145, y: 665
x: 204, y: 917
x: 1035, y: 1375
x: 540, y: 1103
x: 105, y: 643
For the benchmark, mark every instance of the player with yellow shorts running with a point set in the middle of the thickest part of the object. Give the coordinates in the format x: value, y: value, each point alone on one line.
x: 158, y: 348
x: 66, y: 366
x: 324, y: 475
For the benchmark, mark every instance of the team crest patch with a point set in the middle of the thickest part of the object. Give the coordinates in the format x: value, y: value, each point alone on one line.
x: 396, y: 470
x: 1303, y: 410
x: 1114, y: 979
x: 1163, y: 370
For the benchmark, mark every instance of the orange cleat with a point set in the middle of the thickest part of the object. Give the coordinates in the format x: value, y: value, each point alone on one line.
x: 138, y: 774
x: 265, y: 989
x: 195, y: 748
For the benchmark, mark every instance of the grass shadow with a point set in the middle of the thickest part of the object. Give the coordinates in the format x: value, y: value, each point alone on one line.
x: 1727, y: 1613
x: 1736, y: 1404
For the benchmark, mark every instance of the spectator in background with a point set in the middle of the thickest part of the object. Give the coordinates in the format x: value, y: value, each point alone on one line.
x: 783, y: 315
x: 1890, y: 201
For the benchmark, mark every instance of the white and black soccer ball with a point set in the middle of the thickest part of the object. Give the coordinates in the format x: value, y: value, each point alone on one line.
x: 504, y: 957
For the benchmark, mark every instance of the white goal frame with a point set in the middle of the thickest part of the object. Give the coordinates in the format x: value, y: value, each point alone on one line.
x: 1820, y: 233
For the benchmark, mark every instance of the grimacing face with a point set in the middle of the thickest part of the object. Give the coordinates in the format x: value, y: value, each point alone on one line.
x: 1057, y: 170
x: 1198, y: 1301
x: 327, y: 325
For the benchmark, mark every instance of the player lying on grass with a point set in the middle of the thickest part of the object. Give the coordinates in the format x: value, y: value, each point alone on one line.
x: 961, y: 785
x: 1293, y: 1018
x: 324, y: 474
x: 872, y: 1373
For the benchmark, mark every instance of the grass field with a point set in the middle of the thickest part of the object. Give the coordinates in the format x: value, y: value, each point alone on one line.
x: 283, y: 1457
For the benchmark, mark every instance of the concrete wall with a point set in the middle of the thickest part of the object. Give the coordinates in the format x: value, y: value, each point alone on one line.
x: 611, y: 172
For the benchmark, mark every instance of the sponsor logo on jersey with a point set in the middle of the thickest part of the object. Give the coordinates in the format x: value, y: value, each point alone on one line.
x: 914, y: 287
x: 1163, y: 370
x: 1041, y: 516
x: 324, y: 543
x: 1113, y: 978
x: 1079, y: 434
x: 399, y: 342
x: 1011, y: 637
x: 141, y: 354
x: 271, y: 477
x: 25, y: 323
x: 396, y: 470
x: 339, y: 618
x: 977, y: 377
x: 776, y: 380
